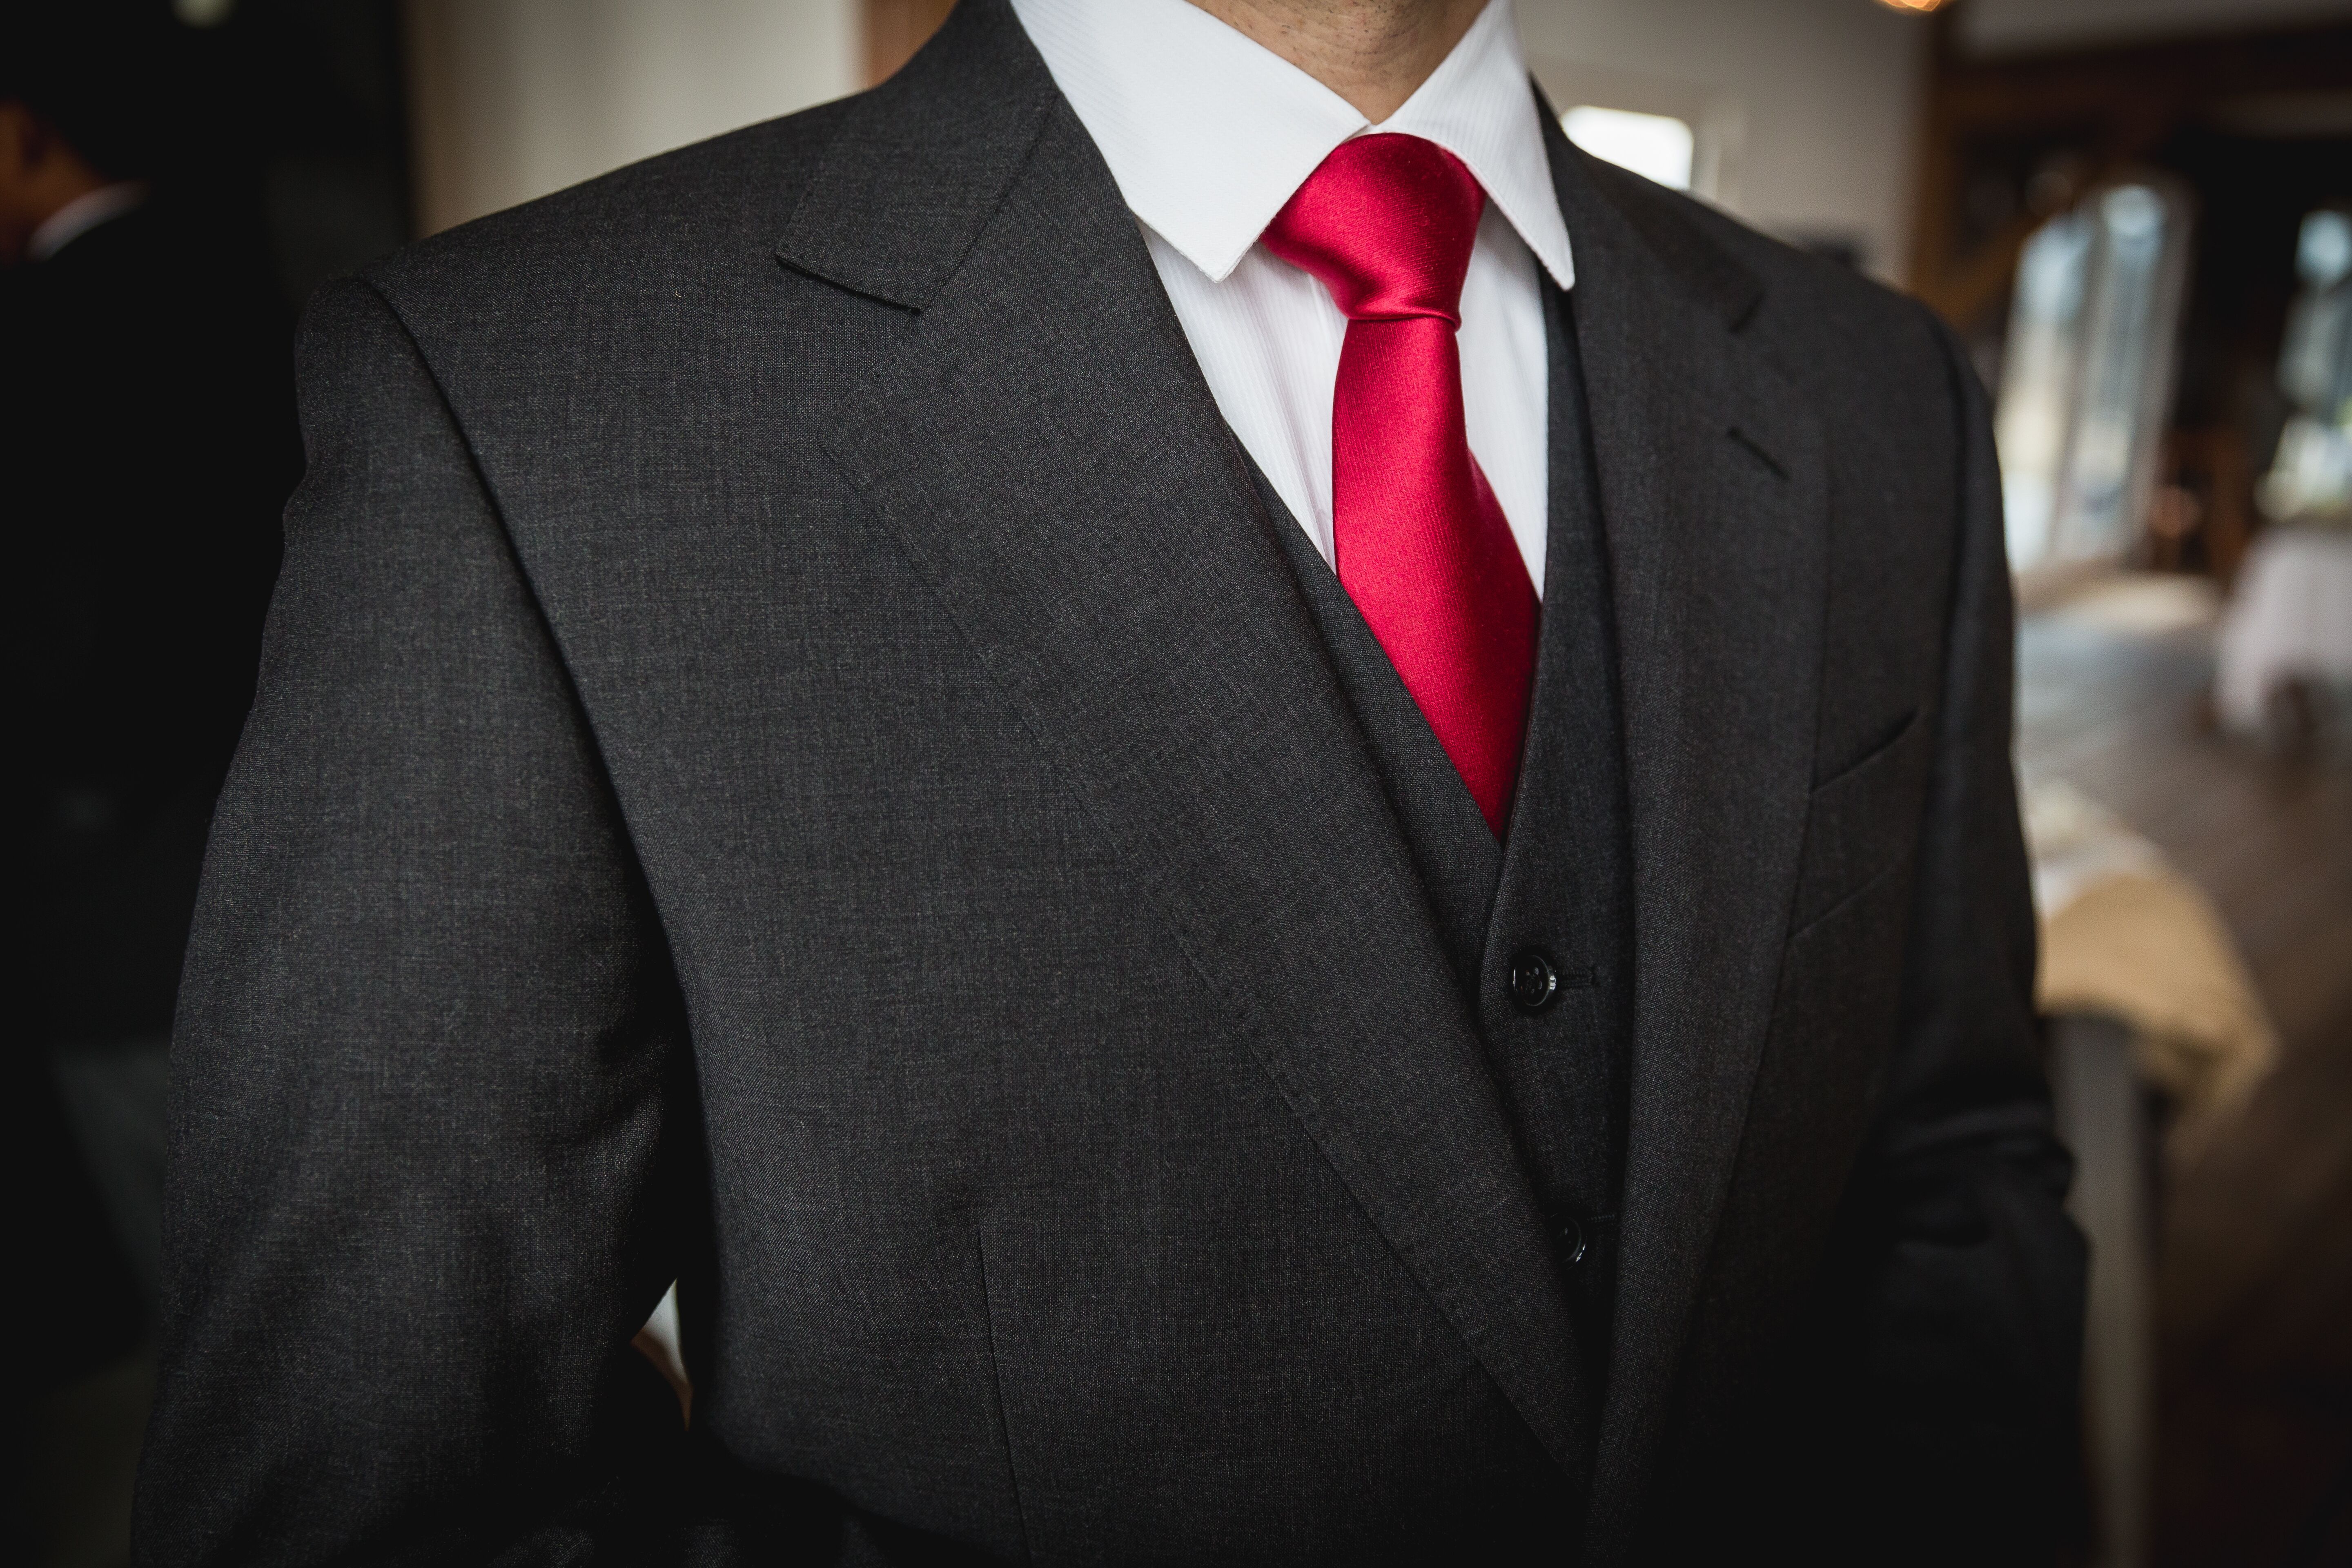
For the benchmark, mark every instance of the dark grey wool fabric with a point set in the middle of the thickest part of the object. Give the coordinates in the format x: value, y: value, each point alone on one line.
x: 789, y: 757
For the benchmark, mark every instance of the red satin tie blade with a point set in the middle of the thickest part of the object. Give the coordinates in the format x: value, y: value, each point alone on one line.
x: 1387, y: 223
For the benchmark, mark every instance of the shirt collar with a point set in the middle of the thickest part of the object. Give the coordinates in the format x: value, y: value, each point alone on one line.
x: 1209, y: 133
x: 81, y: 214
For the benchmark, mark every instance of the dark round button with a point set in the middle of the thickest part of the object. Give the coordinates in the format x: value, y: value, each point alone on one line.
x: 1534, y: 983
x: 1572, y: 1244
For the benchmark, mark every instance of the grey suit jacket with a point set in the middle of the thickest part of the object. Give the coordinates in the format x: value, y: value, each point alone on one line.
x: 788, y: 757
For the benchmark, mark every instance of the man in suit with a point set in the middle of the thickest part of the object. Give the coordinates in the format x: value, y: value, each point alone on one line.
x: 1255, y: 819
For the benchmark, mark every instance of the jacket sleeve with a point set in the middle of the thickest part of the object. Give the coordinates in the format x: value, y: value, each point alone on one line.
x: 1956, y: 1305
x: 427, y: 1066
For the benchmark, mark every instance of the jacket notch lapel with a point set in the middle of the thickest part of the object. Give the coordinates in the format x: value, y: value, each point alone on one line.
x: 921, y: 162
x: 1042, y: 442
x: 1713, y: 501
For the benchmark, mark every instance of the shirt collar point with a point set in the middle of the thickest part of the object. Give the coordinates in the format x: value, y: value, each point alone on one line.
x: 1556, y: 256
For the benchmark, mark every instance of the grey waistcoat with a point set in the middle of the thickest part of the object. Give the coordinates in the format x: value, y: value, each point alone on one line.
x: 1558, y: 884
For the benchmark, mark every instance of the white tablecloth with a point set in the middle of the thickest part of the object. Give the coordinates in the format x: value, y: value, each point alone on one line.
x: 2291, y: 618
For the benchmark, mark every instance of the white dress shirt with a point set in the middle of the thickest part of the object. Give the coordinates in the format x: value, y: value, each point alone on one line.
x: 1208, y: 135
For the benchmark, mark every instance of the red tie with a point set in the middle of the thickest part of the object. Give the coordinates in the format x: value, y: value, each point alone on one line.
x: 1387, y: 223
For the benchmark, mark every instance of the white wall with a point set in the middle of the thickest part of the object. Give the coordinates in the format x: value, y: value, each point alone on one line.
x: 1814, y: 103
x: 1821, y: 98
x: 513, y: 98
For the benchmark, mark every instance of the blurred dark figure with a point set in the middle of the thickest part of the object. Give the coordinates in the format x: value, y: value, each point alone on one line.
x: 147, y: 445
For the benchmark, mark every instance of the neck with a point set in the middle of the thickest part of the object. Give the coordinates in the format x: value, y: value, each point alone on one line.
x: 1373, y: 53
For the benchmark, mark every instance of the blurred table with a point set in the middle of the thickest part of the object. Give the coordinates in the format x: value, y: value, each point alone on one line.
x: 2125, y: 936
x: 2290, y: 619
x: 2146, y: 995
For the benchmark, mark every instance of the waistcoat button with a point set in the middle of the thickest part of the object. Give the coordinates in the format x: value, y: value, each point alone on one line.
x: 1534, y: 984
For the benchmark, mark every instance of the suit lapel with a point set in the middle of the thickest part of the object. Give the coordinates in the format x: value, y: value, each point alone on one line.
x: 1042, y: 442
x: 1712, y: 503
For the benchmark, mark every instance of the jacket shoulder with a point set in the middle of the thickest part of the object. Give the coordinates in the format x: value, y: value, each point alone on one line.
x: 1824, y: 321
x: 728, y: 198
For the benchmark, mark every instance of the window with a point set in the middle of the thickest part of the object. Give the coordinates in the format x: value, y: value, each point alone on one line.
x: 2310, y: 478
x: 1655, y: 146
x: 2087, y: 375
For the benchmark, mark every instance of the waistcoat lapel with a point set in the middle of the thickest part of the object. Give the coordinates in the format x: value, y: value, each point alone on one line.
x: 1712, y: 495
x: 1042, y: 444
x: 1450, y: 845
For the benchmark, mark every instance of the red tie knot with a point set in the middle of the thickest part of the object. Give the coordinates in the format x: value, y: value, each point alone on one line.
x: 1387, y: 223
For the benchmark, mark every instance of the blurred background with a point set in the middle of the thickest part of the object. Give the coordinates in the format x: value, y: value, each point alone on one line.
x: 2136, y: 213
